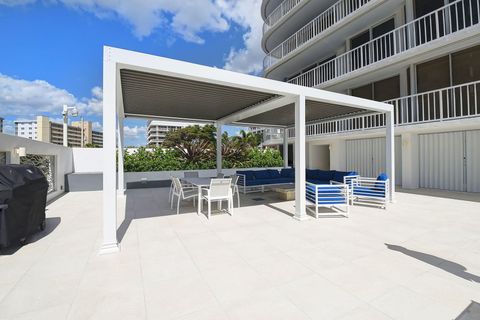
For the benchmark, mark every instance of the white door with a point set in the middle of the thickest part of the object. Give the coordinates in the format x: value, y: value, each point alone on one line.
x: 442, y: 161
x: 367, y: 157
x: 472, y: 146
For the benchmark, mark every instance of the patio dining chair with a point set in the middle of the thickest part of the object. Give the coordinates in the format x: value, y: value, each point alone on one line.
x: 182, y: 193
x: 235, y: 191
x: 219, y: 190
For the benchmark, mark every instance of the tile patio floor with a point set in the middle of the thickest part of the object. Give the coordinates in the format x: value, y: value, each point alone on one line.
x: 420, y: 259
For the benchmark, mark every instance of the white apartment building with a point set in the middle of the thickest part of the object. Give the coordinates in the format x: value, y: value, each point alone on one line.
x: 157, y: 130
x: 26, y: 129
x: 422, y: 56
x: 42, y: 129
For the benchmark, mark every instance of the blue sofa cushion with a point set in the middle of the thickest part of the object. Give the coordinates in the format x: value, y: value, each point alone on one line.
x: 325, y: 175
x: 249, y: 174
x: 273, y: 174
x: 264, y: 182
x: 339, y: 175
x: 316, y: 181
x: 261, y: 174
x: 368, y: 192
x: 330, y: 195
x: 287, y: 173
x: 311, y: 174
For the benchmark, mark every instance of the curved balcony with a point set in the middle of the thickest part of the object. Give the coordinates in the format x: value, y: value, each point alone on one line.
x: 452, y: 18
x: 276, y: 15
x: 311, y: 30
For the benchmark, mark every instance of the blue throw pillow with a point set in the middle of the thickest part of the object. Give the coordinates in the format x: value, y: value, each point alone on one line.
x: 273, y: 174
x: 381, y: 177
x: 325, y: 175
x: 310, y: 174
x: 261, y: 174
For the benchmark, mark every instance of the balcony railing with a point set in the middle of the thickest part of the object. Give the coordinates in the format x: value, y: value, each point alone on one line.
x: 279, y: 12
x: 322, y: 22
x: 457, y: 102
x: 449, y: 19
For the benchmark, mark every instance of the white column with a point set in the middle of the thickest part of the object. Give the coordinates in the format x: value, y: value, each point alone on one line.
x: 285, y: 148
x: 300, y: 157
x: 120, y: 152
x: 219, y: 148
x: 110, y: 243
x: 390, y: 153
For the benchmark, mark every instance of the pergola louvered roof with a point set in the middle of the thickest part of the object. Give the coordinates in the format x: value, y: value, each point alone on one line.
x: 156, y: 87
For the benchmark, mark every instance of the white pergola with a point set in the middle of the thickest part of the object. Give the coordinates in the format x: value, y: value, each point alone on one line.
x: 145, y: 86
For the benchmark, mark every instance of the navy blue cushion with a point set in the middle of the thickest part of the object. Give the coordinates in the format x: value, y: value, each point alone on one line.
x: 369, y: 192
x: 261, y: 174
x: 249, y: 174
x: 311, y: 174
x: 316, y: 181
x: 339, y: 175
x: 330, y: 195
x: 287, y: 173
x: 325, y: 175
x: 273, y: 174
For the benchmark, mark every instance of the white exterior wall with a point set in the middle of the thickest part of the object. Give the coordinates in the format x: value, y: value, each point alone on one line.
x: 26, y: 129
x: 63, y: 157
x: 87, y: 160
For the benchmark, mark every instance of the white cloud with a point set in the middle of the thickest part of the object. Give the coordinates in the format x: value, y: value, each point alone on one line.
x: 247, y: 14
x: 26, y: 98
x: 188, y: 18
x: 135, y: 131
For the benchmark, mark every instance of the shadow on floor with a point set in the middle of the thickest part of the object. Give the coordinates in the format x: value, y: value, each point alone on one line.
x: 471, y: 312
x: 50, y: 225
x: 446, y: 265
x: 454, y: 195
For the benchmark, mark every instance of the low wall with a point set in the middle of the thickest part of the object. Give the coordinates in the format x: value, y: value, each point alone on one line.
x: 63, y: 157
x: 131, y: 177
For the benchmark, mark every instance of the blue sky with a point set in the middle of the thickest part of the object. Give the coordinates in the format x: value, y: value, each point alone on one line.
x: 51, y: 52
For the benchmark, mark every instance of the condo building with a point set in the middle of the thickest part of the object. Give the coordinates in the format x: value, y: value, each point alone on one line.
x: 421, y: 56
x: 42, y: 129
x: 157, y: 130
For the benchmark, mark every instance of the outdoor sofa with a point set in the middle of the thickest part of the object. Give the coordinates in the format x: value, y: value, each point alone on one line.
x: 333, y: 196
x: 257, y: 180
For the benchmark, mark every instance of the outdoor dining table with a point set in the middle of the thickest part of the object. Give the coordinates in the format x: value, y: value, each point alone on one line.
x: 199, y: 183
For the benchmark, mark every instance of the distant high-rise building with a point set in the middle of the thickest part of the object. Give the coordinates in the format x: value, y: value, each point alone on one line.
x: 1, y: 124
x: 42, y: 129
x: 157, y: 130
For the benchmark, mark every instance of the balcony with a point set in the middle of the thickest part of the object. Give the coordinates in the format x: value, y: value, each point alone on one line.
x: 311, y: 30
x: 285, y: 7
x: 452, y: 103
x: 452, y: 18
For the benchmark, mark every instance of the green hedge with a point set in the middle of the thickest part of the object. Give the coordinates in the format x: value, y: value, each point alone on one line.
x: 169, y: 160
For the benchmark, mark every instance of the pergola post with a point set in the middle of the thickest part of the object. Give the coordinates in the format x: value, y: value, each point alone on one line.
x: 390, y: 152
x: 109, y: 243
x: 120, y: 153
x: 285, y: 148
x: 300, y: 165
x: 219, y: 147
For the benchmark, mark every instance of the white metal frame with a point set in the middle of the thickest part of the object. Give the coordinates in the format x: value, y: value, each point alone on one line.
x: 113, y: 112
x: 328, y: 193
x: 182, y: 193
x: 370, y: 191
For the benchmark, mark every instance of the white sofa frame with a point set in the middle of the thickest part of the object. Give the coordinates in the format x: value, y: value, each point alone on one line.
x: 378, y: 194
x: 341, y: 208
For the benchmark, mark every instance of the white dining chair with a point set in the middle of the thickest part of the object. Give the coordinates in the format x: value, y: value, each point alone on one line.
x: 219, y: 190
x: 182, y: 193
x: 235, y: 191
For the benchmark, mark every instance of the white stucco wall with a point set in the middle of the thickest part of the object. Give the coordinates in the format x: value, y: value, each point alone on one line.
x: 63, y: 157
x: 87, y: 160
